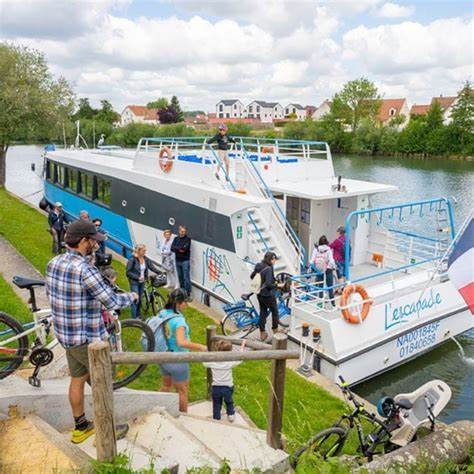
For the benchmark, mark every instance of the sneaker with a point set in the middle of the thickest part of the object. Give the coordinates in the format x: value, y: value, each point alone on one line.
x: 231, y: 418
x: 78, y: 436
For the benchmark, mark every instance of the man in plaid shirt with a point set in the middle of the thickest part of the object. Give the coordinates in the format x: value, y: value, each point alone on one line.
x: 77, y: 291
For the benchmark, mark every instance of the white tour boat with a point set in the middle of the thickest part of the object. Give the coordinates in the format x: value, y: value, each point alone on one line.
x: 281, y: 196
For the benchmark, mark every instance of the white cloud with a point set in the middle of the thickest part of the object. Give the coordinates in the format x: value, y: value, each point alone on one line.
x: 411, y: 46
x: 394, y: 10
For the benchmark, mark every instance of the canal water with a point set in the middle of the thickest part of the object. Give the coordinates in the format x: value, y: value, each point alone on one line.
x: 416, y: 179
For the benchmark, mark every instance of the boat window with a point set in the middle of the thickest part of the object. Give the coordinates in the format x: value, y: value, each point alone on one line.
x: 72, y: 179
x: 60, y: 175
x: 305, y: 211
x: 86, y: 184
x: 50, y: 171
x: 103, y: 191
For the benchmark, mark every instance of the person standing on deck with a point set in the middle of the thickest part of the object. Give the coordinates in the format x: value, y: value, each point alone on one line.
x: 223, y: 141
x: 181, y: 247
x: 338, y: 249
x: 77, y: 292
x: 57, y: 220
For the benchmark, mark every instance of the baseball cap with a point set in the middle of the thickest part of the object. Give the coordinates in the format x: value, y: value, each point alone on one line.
x: 83, y: 228
x: 222, y: 126
x: 58, y: 204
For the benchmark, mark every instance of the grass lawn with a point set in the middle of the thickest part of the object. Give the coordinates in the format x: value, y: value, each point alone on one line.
x: 307, y: 408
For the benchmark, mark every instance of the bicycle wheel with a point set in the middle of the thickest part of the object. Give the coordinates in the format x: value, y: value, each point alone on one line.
x: 12, y: 353
x: 238, y: 323
x: 326, y: 444
x: 284, y: 311
x: 134, y: 334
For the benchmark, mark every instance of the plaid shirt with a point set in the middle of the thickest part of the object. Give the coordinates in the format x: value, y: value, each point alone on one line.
x: 76, y: 292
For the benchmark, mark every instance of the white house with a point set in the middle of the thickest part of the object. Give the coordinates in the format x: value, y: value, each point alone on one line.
x: 446, y: 104
x: 322, y: 110
x: 265, y: 111
x: 393, y: 108
x: 229, y: 108
x: 296, y: 109
x: 138, y: 114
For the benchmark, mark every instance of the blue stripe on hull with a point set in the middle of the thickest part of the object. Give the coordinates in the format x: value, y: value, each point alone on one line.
x: 115, y: 225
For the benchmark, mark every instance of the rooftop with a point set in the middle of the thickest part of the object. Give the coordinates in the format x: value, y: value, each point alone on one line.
x: 444, y: 102
x: 143, y: 111
x: 387, y: 105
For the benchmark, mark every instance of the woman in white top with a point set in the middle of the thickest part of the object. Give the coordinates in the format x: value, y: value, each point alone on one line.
x: 168, y: 260
x: 138, y: 267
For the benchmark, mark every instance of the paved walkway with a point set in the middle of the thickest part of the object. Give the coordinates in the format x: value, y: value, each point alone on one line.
x: 13, y: 263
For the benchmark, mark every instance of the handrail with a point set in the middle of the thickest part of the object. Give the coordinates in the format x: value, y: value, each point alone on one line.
x: 381, y: 210
x: 411, y: 234
x: 281, y: 218
x: 252, y: 221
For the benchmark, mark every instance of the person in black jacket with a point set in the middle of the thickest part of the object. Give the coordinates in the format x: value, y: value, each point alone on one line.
x: 266, y: 296
x: 57, y: 221
x: 223, y: 141
x: 138, y: 268
x: 181, y: 247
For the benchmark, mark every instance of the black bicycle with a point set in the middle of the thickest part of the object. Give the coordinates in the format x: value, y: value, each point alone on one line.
x: 153, y: 300
x: 330, y: 442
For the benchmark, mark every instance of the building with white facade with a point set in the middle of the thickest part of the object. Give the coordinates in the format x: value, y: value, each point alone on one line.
x: 264, y: 111
x: 393, y: 108
x: 446, y: 104
x: 138, y: 114
x: 322, y: 110
x: 296, y: 109
x: 229, y: 108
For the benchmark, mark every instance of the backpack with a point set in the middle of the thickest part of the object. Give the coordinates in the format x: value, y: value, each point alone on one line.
x: 156, y: 324
x: 256, y: 283
x: 321, y: 261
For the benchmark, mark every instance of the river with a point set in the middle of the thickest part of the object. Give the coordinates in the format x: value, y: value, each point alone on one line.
x: 416, y: 179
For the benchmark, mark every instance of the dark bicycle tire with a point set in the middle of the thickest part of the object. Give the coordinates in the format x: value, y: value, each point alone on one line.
x: 158, y: 302
x: 315, y: 444
x: 12, y: 325
x: 285, y: 321
x: 246, y: 316
x: 150, y: 346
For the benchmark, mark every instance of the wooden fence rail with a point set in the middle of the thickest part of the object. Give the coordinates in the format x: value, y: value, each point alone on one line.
x: 101, y: 360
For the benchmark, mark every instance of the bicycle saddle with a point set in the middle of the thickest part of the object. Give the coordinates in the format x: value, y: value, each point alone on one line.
x: 246, y: 296
x: 22, y: 282
x: 404, y: 403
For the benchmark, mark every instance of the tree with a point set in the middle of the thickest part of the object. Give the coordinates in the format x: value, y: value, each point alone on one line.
x: 84, y: 111
x: 160, y: 103
x: 107, y: 113
x: 357, y: 100
x: 434, y: 117
x: 177, y: 109
x: 167, y: 115
x: 32, y: 102
x: 462, y: 114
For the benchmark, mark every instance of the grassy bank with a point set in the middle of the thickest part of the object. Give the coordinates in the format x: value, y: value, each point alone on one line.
x: 307, y: 407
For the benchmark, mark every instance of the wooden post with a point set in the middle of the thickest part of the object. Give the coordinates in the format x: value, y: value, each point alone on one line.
x: 277, y: 391
x: 102, y: 397
x: 211, y: 331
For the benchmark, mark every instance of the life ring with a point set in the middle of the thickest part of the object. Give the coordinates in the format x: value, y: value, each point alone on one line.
x: 268, y: 149
x: 348, y: 316
x: 166, y: 162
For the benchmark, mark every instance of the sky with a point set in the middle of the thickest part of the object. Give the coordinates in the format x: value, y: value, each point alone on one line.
x: 301, y: 51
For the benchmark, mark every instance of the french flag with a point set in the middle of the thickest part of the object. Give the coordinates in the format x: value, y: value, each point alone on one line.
x: 461, y: 265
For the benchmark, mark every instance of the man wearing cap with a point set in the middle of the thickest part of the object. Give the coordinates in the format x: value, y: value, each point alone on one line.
x: 223, y: 141
x: 56, y: 220
x: 77, y: 291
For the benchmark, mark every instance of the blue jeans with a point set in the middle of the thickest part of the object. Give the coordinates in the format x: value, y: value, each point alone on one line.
x: 138, y: 288
x: 222, y: 393
x: 184, y: 276
x: 329, y: 282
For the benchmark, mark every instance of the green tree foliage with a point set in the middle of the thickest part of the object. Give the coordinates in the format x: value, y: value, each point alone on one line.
x: 84, y: 110
x: 177, y: 109
x: 359, y: 99
x: 33, y: 104
x: 240, y: 129
x: 107, y: 113
x: 160, y: 103
x: 462, y: 114
x: 171, y: 113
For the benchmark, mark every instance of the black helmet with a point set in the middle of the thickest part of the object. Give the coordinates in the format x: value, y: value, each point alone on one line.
x: 158, y: 280
x: 386, y: 406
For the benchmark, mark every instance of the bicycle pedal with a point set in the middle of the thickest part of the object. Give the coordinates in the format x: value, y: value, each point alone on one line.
x: 34, y: 381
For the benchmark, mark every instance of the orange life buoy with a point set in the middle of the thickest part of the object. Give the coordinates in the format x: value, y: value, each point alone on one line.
x: 348, y: 316
x: 166, y: 159
x: 268, y: 149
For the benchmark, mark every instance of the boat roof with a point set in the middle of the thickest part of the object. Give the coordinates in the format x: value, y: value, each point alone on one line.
x: 321, y: 189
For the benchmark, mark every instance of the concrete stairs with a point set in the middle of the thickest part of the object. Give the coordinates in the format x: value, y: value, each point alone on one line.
x: 159, y: 435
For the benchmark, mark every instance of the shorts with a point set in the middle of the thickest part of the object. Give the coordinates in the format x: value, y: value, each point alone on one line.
x: 179, y: 372
x: 78, y: 360
x: 340, y: 269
